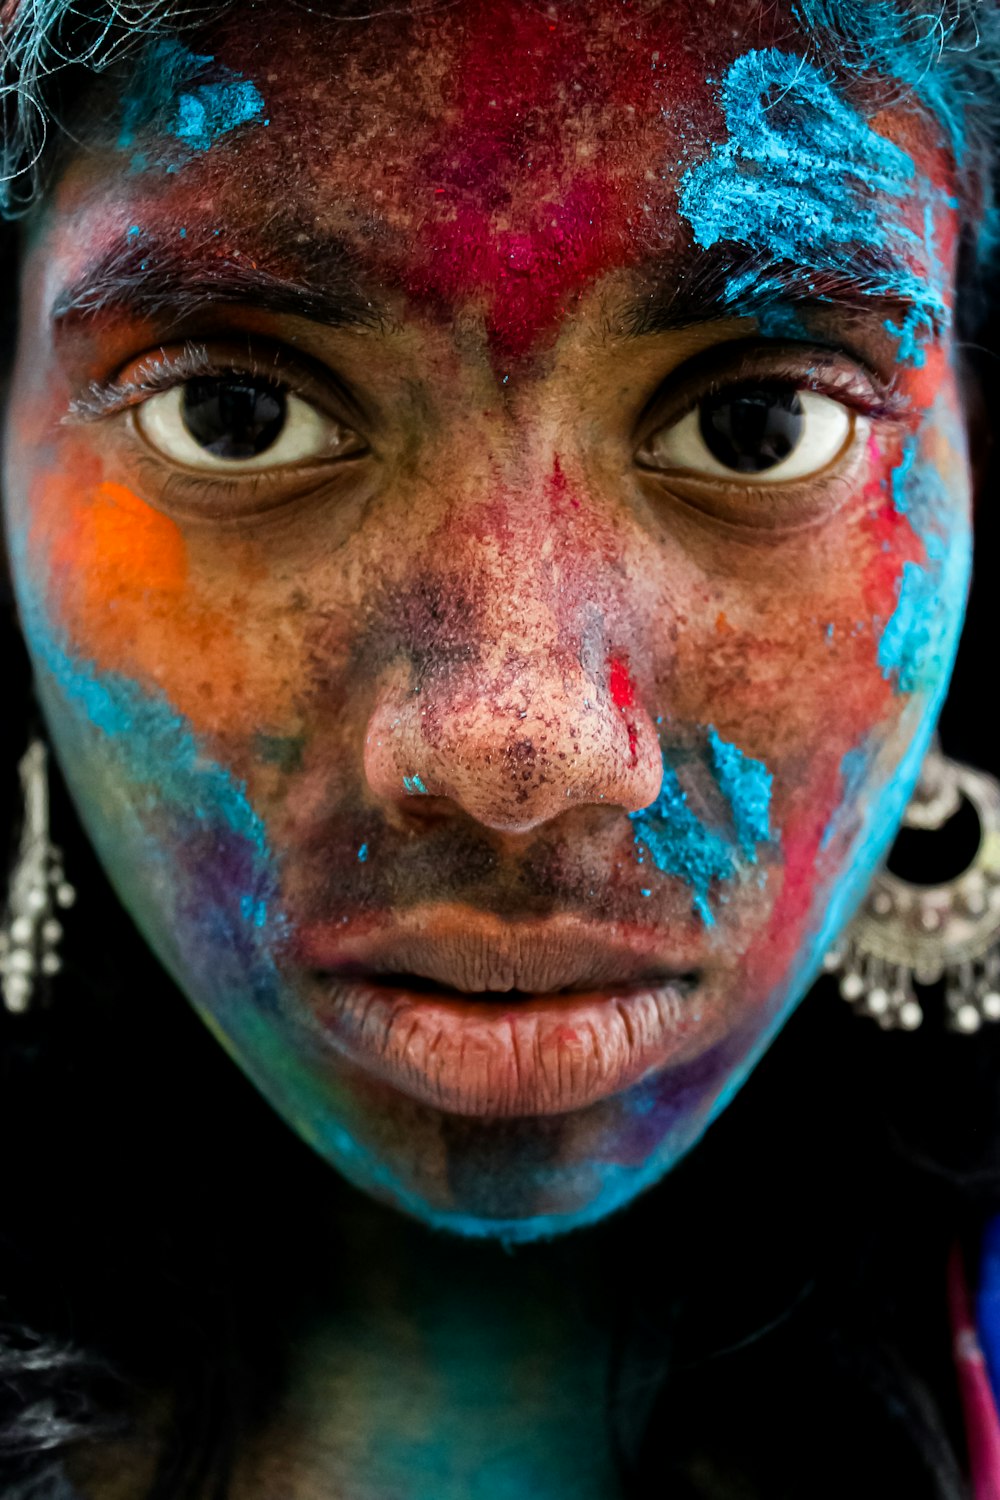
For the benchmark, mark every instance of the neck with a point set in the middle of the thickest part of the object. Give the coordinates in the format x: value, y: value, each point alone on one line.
x: 443, y: 1368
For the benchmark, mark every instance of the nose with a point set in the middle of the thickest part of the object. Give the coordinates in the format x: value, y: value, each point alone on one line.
x: 517, y: 736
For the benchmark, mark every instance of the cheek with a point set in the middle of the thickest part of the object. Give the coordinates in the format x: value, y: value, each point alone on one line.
x: 828, y: 660
x: 126, y: 593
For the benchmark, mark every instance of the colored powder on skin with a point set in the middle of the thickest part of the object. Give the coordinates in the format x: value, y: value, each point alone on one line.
x: 917, y: 644
x: 158, y: 747
x: 901, y: 476
x: 188, y: 96
x: 414, y: 786
x: 888, y: 40
x: 804, y: 179
x: 622, y: 690
x: 907, y: 638
x: 363, y: 853
x: 620, y: 685
x: 155, y: 748
x: 680, y: 844
x: 746, y: 785
x: 853, y: 769
x: 782, y: 322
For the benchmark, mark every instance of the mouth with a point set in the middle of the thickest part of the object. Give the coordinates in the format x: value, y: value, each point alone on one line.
x: 479, y: 1017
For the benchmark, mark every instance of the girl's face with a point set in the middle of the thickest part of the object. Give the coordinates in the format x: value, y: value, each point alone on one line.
x: 489, y: 506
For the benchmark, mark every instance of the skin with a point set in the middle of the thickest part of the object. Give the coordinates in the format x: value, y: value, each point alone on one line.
x: 480, y: 658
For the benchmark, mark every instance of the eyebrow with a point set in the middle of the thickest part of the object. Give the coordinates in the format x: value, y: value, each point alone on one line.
x: 172, y: 281
x: 731, y: 281
x: 151, y: 278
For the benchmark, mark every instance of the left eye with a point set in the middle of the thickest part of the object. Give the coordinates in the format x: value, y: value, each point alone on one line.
x: 763, y: 429
x: 227, y: 423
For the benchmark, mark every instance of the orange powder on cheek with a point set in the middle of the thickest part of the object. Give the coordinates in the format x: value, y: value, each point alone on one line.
x: 119, y: 586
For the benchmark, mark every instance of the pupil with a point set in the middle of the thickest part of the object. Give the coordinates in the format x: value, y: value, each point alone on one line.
x: 752, y: 427
x: 231, y: 416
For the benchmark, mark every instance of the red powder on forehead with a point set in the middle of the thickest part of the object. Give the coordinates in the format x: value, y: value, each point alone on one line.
x: 539, y: 181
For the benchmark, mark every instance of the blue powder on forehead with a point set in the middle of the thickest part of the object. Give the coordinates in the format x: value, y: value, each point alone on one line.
x: 802, y: 178
x: 891, y: 42
x: 188, y: 96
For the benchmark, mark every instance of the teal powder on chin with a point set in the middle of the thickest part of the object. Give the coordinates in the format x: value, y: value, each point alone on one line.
x: 679, y: 843
x: 803, y: 179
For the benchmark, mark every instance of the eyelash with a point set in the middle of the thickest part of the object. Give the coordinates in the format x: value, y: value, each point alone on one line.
x: 163, y: 372
x: 866, y: 394
x: 878, y: 402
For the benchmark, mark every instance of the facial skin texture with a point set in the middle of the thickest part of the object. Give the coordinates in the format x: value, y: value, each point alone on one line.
x: 489, y: 673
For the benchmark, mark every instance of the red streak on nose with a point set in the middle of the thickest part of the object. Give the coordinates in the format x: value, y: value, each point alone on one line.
x: 620, y: 685
x: 622, y: 690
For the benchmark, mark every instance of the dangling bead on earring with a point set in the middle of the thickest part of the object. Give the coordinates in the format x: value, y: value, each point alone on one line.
x: 30, y: 934
x: 906, y: 935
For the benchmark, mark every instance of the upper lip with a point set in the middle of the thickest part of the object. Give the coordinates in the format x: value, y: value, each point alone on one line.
x: 474, y: 952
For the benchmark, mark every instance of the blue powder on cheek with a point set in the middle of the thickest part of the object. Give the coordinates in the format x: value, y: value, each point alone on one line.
x: 853, y: 769
x: 901, y: 477
x: 680, y: 844
x: 918, y: 642
x: 803, y: 178
x: 746, y: 784
x: 156, y: 749
x: 188, y: 96
x: 907, y: 639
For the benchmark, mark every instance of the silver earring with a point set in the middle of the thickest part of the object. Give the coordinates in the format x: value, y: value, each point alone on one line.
x: 906, y: 935
x: 30, y: 934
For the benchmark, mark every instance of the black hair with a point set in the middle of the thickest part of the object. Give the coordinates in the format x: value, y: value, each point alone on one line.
x: 783, y: 1331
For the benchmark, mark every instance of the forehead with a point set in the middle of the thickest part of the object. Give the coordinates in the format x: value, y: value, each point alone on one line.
x: 515, y: 154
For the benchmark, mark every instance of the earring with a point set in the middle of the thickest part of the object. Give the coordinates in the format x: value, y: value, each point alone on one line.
x: 906, y: 935
x: 30, y: 934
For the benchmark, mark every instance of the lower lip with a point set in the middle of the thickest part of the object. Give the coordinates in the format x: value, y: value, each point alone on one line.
x: 543, y: 1055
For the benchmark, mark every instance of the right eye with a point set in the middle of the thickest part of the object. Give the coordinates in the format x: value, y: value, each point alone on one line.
x: 239, y: 422
x: 757, y: 432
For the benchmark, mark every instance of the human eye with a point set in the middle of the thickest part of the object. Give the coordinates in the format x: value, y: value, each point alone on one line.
x: 237, y: 422
x: 224, y: 430
x: 759, y: 428
x: 770, y: 446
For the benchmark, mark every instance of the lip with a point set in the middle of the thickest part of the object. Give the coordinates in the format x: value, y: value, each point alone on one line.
x: 482, y: 1017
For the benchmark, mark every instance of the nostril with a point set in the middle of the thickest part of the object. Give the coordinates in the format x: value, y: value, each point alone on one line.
x: 514, y: 754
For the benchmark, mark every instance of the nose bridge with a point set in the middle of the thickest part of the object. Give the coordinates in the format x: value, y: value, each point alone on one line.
x: 515, y: 697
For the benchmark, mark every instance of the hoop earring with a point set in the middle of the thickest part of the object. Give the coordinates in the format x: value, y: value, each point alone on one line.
x: 31, y: 932
x: 906, y: 935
